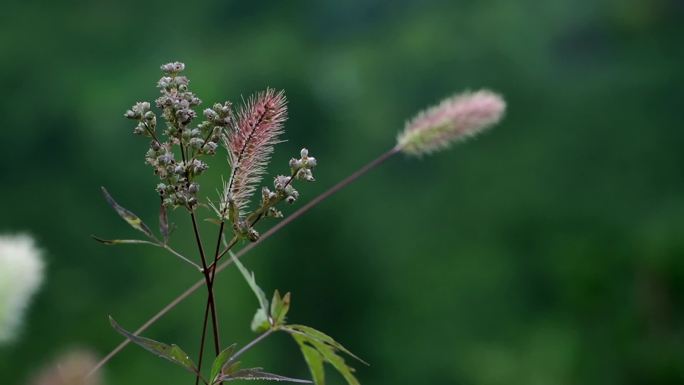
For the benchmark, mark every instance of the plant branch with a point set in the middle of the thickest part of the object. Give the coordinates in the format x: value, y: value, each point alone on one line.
x: 177, y: 254
x: 314, y: 202
x: 250, y: 345
x: 215, y: 268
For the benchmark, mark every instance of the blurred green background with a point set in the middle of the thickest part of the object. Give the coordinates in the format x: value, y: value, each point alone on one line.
x: 548, y: 251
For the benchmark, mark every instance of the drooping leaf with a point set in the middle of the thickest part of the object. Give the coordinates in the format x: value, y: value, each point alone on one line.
x: 329, y: 355
x: 172, y: 353
x: 221, y: 360
x: 322, y: 337
x: 313, y: 359
x: 164, y: 223
x: 263, y: 302
x: 279, y: 307
x: 128, y: 216
x: 122, y: 241
x: 318, y: 347
x: 259, y: 374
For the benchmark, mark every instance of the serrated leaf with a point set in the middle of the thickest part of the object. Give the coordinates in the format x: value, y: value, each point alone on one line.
x: 220, y: 361
x: 249, y: 277
x: 260, y: 321
x: 259, y: 374
x: 279, y: 307
x: 322, y: 337
x: 164, y: 223
x: 127, y: 215
x: 313, y: 359
x: 172, y: 353
x: 122, y: 241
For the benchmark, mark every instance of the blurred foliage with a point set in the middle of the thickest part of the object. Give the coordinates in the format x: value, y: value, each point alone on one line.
x: 548, y: 251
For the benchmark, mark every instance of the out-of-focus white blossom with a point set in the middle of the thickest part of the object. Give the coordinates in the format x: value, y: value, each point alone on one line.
x: 21, y: 274
x: 70, y: 368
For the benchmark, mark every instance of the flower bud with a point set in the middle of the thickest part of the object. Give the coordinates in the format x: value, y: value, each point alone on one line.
x: 193, y: 188
x: 172, y: 68
x: 253, y: 235
x: 274, y: 213
x: 305, y: 174
x: 295, y: 164
x: 210, y: 114
x: 280, y: 182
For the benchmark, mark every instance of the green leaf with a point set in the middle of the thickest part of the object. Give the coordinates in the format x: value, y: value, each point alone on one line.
x: 260, y: 322
x: 279, y: 307
x: 263, y: 302
x: 122, y: 241
x: 128, y: 216
x: 221, y: 360
x: 259, y: 374
x: 230, y: 367
x: 329, y: 355
x: 318, y: 347
x: 313, y: 359
x: 172, y: 353
x: 322, y: 337
x: 164, y: 223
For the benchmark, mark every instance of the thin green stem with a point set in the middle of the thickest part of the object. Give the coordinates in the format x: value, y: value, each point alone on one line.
x: 250, y: 345
x: 179, y: 255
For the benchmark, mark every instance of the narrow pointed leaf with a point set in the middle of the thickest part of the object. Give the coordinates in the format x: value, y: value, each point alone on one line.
x: 231, y: 367
x: 322, y: 337
x: 122, y: 241
x: 313, y: 359
x: 221, y: 360
x: 259, y: 374
x: 172, y: 353
x: 128, y: 216
x: 279, y: 307
x: 276, y: 303
x: 335, y: 360
x: 249, y: 277
x: 213, y: 220
x: 164, y: 223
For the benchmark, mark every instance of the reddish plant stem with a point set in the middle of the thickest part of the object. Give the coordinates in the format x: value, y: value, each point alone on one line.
x: 210, y: 286
x: 207, y: 279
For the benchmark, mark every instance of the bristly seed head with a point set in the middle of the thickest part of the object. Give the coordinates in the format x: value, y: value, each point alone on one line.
x: 454, y: 119
x: 250, y: 145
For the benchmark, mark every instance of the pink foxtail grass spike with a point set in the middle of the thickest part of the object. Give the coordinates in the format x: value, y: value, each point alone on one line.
x: 455, y: 119
x: 259, y: 124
